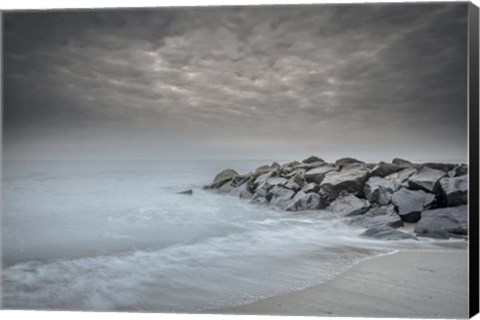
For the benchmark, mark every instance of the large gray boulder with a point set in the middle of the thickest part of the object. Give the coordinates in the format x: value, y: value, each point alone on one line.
x: 349, y: 179
x: 443, y: 223
x: 377, y: 217
x: 426, y: 179
x: 343, y: 161
x: 409, y: 204
x: 379, y: 190
x: 383, y: 169
x: 347, y: 205
x: 311, y: 187
x: 317, y: 174
x: 453, y: 190
x: 400, y: 178
x: 445, y: 167
x: 279, y: 196
x: 402, y: 163
x: 387, y: 233
x: 263, y: 169
x: 223, y: 177
x: 304, y: 201
x: 459, y: 170
x: 312, y: 159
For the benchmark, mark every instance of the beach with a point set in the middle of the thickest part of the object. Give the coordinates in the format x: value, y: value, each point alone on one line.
x: 418, y: 284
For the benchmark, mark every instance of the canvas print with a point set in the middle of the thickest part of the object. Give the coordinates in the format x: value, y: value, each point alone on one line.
x: 269, y: 160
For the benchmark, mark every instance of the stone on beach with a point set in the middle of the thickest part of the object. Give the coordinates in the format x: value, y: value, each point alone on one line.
x: 377, y: 217
x: 409, y: 204
x: 379, y: 190
x: 350, y: 179
x: 348, y: 205
x: 222, y: 177
x: 305, y: 201
x: 426, y: 178
x: 443, y: 223
x: 383, y: 169
x: 453, y: 190
x: 317, y: 174
x: 387, y: 233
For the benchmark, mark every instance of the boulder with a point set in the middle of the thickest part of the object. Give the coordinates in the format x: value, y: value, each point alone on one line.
x: 400, y: 178
x: 187, y: 192
x: 409, y: 204
x: 350, y: 179
x: 313, y: 159
x: 245, y: 194
x: 443, y: 223
x: 347, y: 205
x: 383, y: 169
x: 311, y: 165
x: 317, y: 174
x: 402, y: 163
x: 265, y: 176
x: 263, y: 169
x: 222, y: 177
x: 242, y: 179
x: 445, y: 167
x: 453, y: 190
x: 226, y: 187
x: 279, y: 196
x: 379, y: 190
x: 425, y: 179
x: 377, y: 217
x: 343, y: 161
x: 275, y: 165
x: 459, y: 170
x: 311, y: 187
x: 386, y: 233
x: 304, y: 201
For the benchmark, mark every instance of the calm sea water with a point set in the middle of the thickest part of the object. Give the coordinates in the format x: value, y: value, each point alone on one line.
x: 85, y: 235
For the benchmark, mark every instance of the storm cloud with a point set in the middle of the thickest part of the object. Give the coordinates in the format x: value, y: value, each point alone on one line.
x: 369, y: 81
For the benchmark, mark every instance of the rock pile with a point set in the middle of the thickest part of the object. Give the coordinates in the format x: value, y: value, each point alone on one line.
x: 379, y: 197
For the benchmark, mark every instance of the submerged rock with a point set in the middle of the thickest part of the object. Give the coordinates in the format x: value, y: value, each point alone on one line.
x: 409, y: 204
x: 387, y: 233
x: 453, y: 190
x: 426, y: 178
x: 348, y: 205
x: 187, y: 192
x: 443, y: 223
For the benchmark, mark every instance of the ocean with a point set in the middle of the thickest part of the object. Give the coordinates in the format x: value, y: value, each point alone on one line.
x: 116, y: 236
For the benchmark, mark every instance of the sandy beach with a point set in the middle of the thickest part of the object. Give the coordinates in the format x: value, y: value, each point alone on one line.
x: 418, y: 284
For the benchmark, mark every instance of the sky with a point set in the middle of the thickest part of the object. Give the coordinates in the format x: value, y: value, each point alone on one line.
x: 264, y: 82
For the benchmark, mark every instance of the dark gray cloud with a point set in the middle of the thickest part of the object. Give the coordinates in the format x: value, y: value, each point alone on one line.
x: 372, y: 81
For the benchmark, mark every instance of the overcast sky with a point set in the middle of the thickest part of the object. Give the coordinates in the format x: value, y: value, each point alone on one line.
x: 368, y: 81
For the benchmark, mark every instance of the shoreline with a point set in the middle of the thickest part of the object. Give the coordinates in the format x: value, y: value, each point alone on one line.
x: 404, y: 283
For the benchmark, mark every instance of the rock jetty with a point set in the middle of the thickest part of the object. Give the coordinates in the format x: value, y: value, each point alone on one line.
x: 377, y: 196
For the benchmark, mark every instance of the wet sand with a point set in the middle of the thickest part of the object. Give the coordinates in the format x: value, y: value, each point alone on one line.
x: 417, y: 284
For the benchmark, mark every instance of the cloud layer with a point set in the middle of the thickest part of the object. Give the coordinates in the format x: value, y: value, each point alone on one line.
x: 363, y: 80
